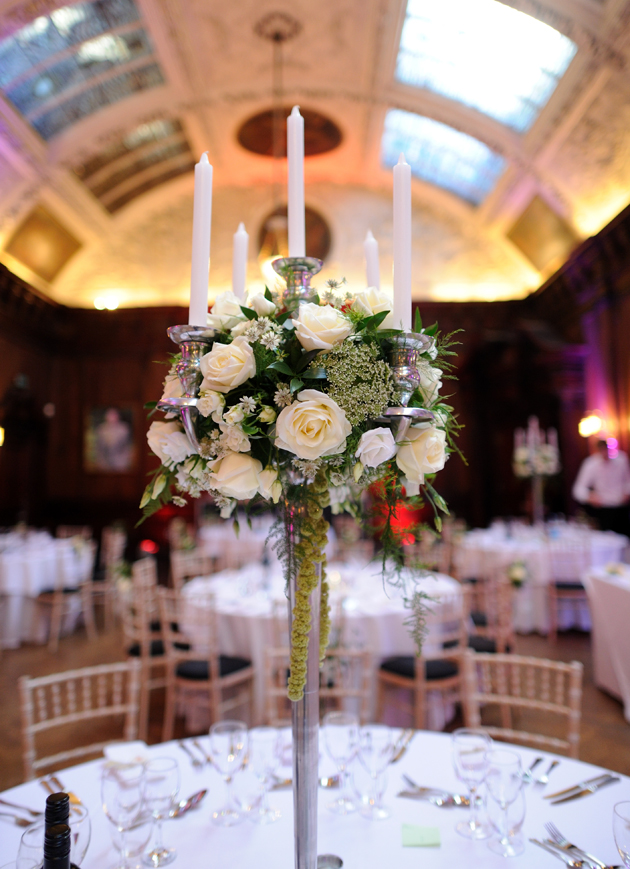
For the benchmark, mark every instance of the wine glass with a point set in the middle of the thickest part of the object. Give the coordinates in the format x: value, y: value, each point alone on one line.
x: 228, y: 748
x: 122, y: 801
x: 516, y: 816
x: 504, y: 781
x: 621, y: 830
x: 31, y: 850
x: 264, y: 757
x: 161, y: 786
x: 376, y: 749
x: 470, y: 760
x: 341, y: 736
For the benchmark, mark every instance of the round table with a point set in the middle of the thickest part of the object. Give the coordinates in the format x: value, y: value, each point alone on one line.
x: 373, y: 617
x: 361, y: 844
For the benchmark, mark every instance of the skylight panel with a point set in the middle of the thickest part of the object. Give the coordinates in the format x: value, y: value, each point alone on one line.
x: 441, y: 155
x: 484, y: 54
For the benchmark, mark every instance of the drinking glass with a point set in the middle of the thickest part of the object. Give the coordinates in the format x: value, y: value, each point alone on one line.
x: 31, y: 850
x: 470, y: 749
x: 264, y: 757
x: 621, y: 831
x: 122, y: 801
x: 376, y: 749
x: 516, y: 817
x: 341, y: 737
x: 504, y: 781
x: 161, y: 786
x: 228, y: 748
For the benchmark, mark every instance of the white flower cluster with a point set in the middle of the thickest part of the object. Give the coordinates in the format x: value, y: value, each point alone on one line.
x: 541, y: 460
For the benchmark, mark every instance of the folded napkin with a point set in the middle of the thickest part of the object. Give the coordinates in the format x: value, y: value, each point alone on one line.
x: 414, y: 836
x: 127, y: 752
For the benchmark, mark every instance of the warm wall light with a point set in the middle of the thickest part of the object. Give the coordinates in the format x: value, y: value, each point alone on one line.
x: 109, y: 301
x: 590, y: 424
x: 1, y: 436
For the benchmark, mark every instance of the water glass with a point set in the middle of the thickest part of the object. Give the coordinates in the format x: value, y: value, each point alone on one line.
x: 31, y: 850
x: 470, y: 748
x: 621, y: 831
x: 123, y: 803
x: 515, y: 817
x: 228, y: 749
x: 161, y: 786
x: 504, y: 781
x: 341, y: 737
x: 376, y: 749
x: 264, y: 758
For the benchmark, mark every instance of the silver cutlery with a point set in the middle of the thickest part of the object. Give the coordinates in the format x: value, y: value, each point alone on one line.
x: 202, y: 750
x: 579, y: 786
x: 437, y: 798
x: 402, y: 745
x: 563, y: 843
x: 184, y: 806
x: 62, y: 789
x: 192, y: 757
x: 542, y: 781
x: 21, y: 808
x: 331, y: 781
x: 560, y: 854
x: 585, y: 792
x: 528, y: 774
x: 21, y: 822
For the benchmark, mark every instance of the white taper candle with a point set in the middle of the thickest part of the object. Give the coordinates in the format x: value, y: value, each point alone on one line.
x: 295, y: 154
x: 402, y: 245
x: 372, y: 270
x: 239, y: 261
x: 200, y: 263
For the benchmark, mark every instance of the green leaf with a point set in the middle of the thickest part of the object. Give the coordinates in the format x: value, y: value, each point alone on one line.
x: 432, y: 330
x: 296, y: 384
x: 314, y: 374
x: 251, y: 315
x: 281, y: 366
x: 438, y: 523
x: 281, y: 318
x: 146, y: 496
x: 149, y: 405
x: 417, y: 326
x: 268, y: 295
x: 306, y: 360
x: 250, y: 429
x: 375, y: 320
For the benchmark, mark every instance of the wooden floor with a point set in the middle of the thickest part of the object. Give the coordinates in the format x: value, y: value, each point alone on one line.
x: 605, y: 736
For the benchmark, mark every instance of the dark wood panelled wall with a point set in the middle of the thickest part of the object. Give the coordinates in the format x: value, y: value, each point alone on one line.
x: 556, y: 354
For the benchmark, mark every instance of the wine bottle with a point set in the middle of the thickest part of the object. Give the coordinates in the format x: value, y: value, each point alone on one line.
x: 57, y: 809
x: 57, y: 847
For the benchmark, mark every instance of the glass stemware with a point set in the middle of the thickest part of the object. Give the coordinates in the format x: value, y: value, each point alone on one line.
x: 470, y: 749
x: 228, y: 748
x: 161, y: 786
x: 504, y: 781
x: 341, y: 737
x: 376, y: 749
x: 264, y: 757
x: 123, y: 803
x: 31, y: 850
x: 621, y: 830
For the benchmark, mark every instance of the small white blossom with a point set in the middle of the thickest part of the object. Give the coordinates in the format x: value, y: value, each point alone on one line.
x: 283, y: 397
x: 248, y: 404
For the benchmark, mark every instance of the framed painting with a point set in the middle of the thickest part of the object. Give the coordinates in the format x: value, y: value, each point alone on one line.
x: 108, y: 440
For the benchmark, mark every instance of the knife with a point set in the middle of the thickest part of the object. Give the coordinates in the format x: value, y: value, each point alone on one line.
x: 578, y: 787
x: 403, y: 745
x: 586, y: 791
x: 559, y: 853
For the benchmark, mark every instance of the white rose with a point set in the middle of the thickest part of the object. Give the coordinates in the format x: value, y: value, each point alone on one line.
x: 234, y: 415
x: 270, y: 486
x: 313, y: 426
x: 262, y: 306
x: 430, y: 383
x: 168, y: 442
x: 267, y: 414
x: 375, y: 447
x: 236, y: 476
x: 422, y: 452
x: 234, y: 438
x: 227, y: 365
x: 320, y: 327
x: 226, y: 312
x: 209, y: 402
x: 374, y: 301
x: 240, y: 328
x: 172, y: 387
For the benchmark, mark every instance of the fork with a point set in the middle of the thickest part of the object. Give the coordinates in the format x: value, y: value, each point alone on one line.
x: 544, y: 779
x: 193, y: 758
x: 21, y: 822
x: 201, y: 749
x: 559, y: 853
x: 21, y: 808
x: 73, y: 797
x: 563, y: 843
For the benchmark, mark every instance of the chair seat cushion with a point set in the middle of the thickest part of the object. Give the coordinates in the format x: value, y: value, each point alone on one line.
x: 479, y: 619
x: 569, y: 586
x: 157, y: 648
x: 482, y: 644
x: 198, y: 670
x: 50, y: 591
x: 405, y: 665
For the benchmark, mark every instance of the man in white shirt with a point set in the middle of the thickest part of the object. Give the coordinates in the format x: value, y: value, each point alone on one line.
x: 603, y: 488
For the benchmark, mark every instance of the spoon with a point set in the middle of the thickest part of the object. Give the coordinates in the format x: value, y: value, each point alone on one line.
x: 184, y: 806
x: 449, y: 800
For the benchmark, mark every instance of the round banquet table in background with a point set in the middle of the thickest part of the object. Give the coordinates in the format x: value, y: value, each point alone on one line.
x: 484, y: 552
x: 373, y: 617
x: 30, y: 565
x: 360, y: 843
x: 609, y: 600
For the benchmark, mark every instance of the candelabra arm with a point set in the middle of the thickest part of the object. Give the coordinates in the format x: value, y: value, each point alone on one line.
x: 297, y: 272
x: 405, y: 356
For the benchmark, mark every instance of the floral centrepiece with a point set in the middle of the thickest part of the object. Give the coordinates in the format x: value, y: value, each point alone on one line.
x: 290, y: 408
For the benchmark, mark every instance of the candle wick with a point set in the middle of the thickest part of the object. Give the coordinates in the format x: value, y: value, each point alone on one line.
x: 401, y: 159
x: 295, y: 111
x: 241, y: 227
x: 369, y: 234
x: 204, y: 157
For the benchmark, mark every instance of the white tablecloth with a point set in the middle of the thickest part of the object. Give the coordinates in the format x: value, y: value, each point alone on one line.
x: 361, y: 844
x: 232, y: 550
x: 29, y: 566
x: 609, y: 598
x: 373, y: 618
x: 481, y: 553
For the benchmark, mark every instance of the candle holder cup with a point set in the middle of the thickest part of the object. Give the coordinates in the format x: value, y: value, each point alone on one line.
x: 297, y: 272
x: 405, y: 355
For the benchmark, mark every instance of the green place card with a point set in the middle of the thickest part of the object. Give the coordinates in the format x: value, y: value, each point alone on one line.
x: 414, y: 836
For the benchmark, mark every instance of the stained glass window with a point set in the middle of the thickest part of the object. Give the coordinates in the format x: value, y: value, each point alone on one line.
x: 484, y: 54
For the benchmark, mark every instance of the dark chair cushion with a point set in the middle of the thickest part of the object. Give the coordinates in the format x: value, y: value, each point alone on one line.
x: 405, y: 665
x: 569, y: 586
x: 482, y: 644
x: 479, y: 619
x: 50, y: 591
x: 198, y: 670
x: 157, y: 648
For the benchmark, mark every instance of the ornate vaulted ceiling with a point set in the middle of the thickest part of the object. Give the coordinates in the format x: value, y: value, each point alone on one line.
x: 517, y: 129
